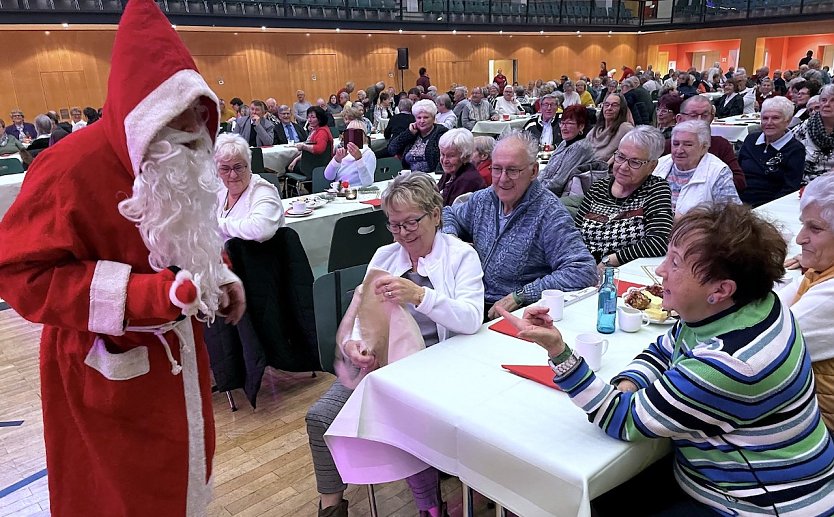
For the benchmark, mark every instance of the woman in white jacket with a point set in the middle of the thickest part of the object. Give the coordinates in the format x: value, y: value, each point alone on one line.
x: 438, y: 279
x: 694, y: 175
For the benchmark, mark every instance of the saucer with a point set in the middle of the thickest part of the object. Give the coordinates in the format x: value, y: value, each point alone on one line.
x: 290, y: 213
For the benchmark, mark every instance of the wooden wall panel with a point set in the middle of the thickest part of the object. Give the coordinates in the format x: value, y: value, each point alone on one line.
x: 261, y: 64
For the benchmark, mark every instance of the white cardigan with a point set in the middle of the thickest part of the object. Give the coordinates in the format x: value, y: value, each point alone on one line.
x: 813, y: 313
x: 256, y: 216
x: 456, y: 302
x: 699, y: 188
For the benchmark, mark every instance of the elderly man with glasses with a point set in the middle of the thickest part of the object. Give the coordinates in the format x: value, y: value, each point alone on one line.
x: 20, y: 129
x: 700, y: 108
x: 545, y: 126
x: 524, y: 237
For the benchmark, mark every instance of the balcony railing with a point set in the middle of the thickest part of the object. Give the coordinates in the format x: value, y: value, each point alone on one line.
x: 549, y: 15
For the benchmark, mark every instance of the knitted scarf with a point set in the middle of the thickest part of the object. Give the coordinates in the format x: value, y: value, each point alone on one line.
x: 816, y: 130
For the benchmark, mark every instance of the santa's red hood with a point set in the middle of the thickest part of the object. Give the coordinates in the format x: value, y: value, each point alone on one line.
x: 152, y: 80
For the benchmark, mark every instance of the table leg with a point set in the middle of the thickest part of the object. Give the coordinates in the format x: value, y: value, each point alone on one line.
x: 467, y: 500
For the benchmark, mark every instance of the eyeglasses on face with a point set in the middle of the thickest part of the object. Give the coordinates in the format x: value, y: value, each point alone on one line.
x: 226, y: 170
x: 567, y: 123
x: 410, y: 225
x: 611, y: 105
x: 633, y: 163
x: 512, y: 172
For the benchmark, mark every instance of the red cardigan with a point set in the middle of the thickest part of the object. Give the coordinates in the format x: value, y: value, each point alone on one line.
x: 319, y: 139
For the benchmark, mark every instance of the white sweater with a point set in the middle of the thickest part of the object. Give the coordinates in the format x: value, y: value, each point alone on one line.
x: 813, y: 313
x: 256, y: 216
x: 699, y: 190
x: 355, y: 172
x: 456, y: 302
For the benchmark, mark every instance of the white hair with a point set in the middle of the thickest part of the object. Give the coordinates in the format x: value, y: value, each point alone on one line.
x: 781, y: 104
x: 821, y: 192
x: 174, y: 204
x: 229, y: 146
x: 460, y: 139
x: 424, y: 106
x: 520, y: 138
x: 648, y: 138
x: 697, y: 128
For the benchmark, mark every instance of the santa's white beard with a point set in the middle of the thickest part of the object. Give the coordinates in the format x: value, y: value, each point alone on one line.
x: 174, y: 204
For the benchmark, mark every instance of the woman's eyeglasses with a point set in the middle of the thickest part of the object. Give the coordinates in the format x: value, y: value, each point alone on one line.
x: 225, y: 171
x: 633, y: 163
x: 410, y: 225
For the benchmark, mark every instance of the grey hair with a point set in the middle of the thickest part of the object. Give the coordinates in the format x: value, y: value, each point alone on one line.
x: 519, y: 90
x: 521, y: 138
x: 632, y: 82
x: 648, y: 138
x: 697, y: 128
x: 821, y: 192
x: 43, y: 124
x: 75, y: 109
x: 352, y: 113
x: 415, y: 189
x: 424, y: 106
x: 444, y: 100
x: 405, y: 105
x: 231, y: 145
x: 828, y: 89
x: 559, y: 98
x: 461, y: 89
x: 460, y: 139
x: 781, y: 104
x: 697, y: 99
x: 740, y: 71
x: 568, y: 84
x: 484, y: 144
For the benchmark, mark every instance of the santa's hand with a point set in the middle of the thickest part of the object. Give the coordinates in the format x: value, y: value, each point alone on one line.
x: 183, y: 292
x: 232, y: 302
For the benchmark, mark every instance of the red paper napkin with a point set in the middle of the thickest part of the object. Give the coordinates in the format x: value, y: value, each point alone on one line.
x: 623, y: 286
x: 505, y: 327
x: 541, y: 374
x: 372, y: 202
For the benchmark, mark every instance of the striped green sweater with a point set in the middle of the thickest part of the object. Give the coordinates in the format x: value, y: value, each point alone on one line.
x: 735, y: 393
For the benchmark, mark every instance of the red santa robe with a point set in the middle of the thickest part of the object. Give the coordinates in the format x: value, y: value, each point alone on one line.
x: 124, y: 436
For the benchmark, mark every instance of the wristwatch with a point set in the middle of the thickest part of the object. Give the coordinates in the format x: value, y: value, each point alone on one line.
x: 606, y: 261
x: 565, y: 367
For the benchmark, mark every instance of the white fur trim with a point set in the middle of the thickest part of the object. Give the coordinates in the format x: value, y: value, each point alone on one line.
x: 170, y: 97
x: 188, y: 309
x: 198, y: 494
x: 118, y: 367
x: 108, y: 294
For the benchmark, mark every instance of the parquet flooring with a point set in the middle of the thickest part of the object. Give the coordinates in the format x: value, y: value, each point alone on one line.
x: 262, y: 465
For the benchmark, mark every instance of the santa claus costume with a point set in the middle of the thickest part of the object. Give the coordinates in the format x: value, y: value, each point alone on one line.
x: 125, y: 381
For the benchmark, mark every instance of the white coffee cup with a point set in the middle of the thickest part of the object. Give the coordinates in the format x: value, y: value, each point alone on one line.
x: 631, y: 319
x: 405, y: 171
x: 554, y: 300
x: 592, y: 347
x: 299, y: 207
x: 336, y: 185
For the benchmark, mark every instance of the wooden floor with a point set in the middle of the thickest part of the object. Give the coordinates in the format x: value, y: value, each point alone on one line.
x: 262, y: 466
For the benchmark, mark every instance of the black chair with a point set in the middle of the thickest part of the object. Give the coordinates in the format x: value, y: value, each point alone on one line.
x: 10, y: 166
x: 356, y: 238
x: 387, y: 168
x: 303, y: 173
x: 272, y: 178
x: 332, y: 294
x: 320, y: 183
x: 258, y: 160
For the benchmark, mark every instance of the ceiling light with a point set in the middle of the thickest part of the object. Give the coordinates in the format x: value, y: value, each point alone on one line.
x: 46, y: 32
x: 338, y: 29
x: 65, y: 25
x: 440, y: 18
x: 501, y: 32
x: 173, y: 26
x: 454, y: 31
x: 400, y: 31
x: 263, y: 27
x: 236, y: 34
x: 541, y: 32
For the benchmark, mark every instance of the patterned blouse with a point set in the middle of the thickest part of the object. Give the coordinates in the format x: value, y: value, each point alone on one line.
x: 633, y: 227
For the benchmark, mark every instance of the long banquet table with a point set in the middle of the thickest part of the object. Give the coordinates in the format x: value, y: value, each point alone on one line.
x: 9, y: 189
x: 736, y: 129
x: 496, y: 127
x: 522, y: 444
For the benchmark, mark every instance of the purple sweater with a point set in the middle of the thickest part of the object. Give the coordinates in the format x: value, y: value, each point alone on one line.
x: 466, y: 179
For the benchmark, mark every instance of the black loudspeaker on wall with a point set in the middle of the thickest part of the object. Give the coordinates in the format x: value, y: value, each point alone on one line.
x: 402, y: 58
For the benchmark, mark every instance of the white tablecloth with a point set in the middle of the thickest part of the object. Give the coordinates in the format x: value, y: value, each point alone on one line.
x: 496, y: 127
x: 277, y: 157
x: 735, y: 129
x: 712, y: 95
x: 382, y: 124
x: 522, y: 444
x: 9, y: 189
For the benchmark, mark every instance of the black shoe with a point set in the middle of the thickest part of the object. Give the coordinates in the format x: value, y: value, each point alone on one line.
x: 339, y: 510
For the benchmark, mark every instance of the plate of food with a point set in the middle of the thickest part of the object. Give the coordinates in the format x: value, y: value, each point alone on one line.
x: 314, y: 202
x: 650, y: 300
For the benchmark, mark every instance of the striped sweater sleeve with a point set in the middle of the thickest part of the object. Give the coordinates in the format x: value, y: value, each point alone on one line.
x: 657, y: 222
